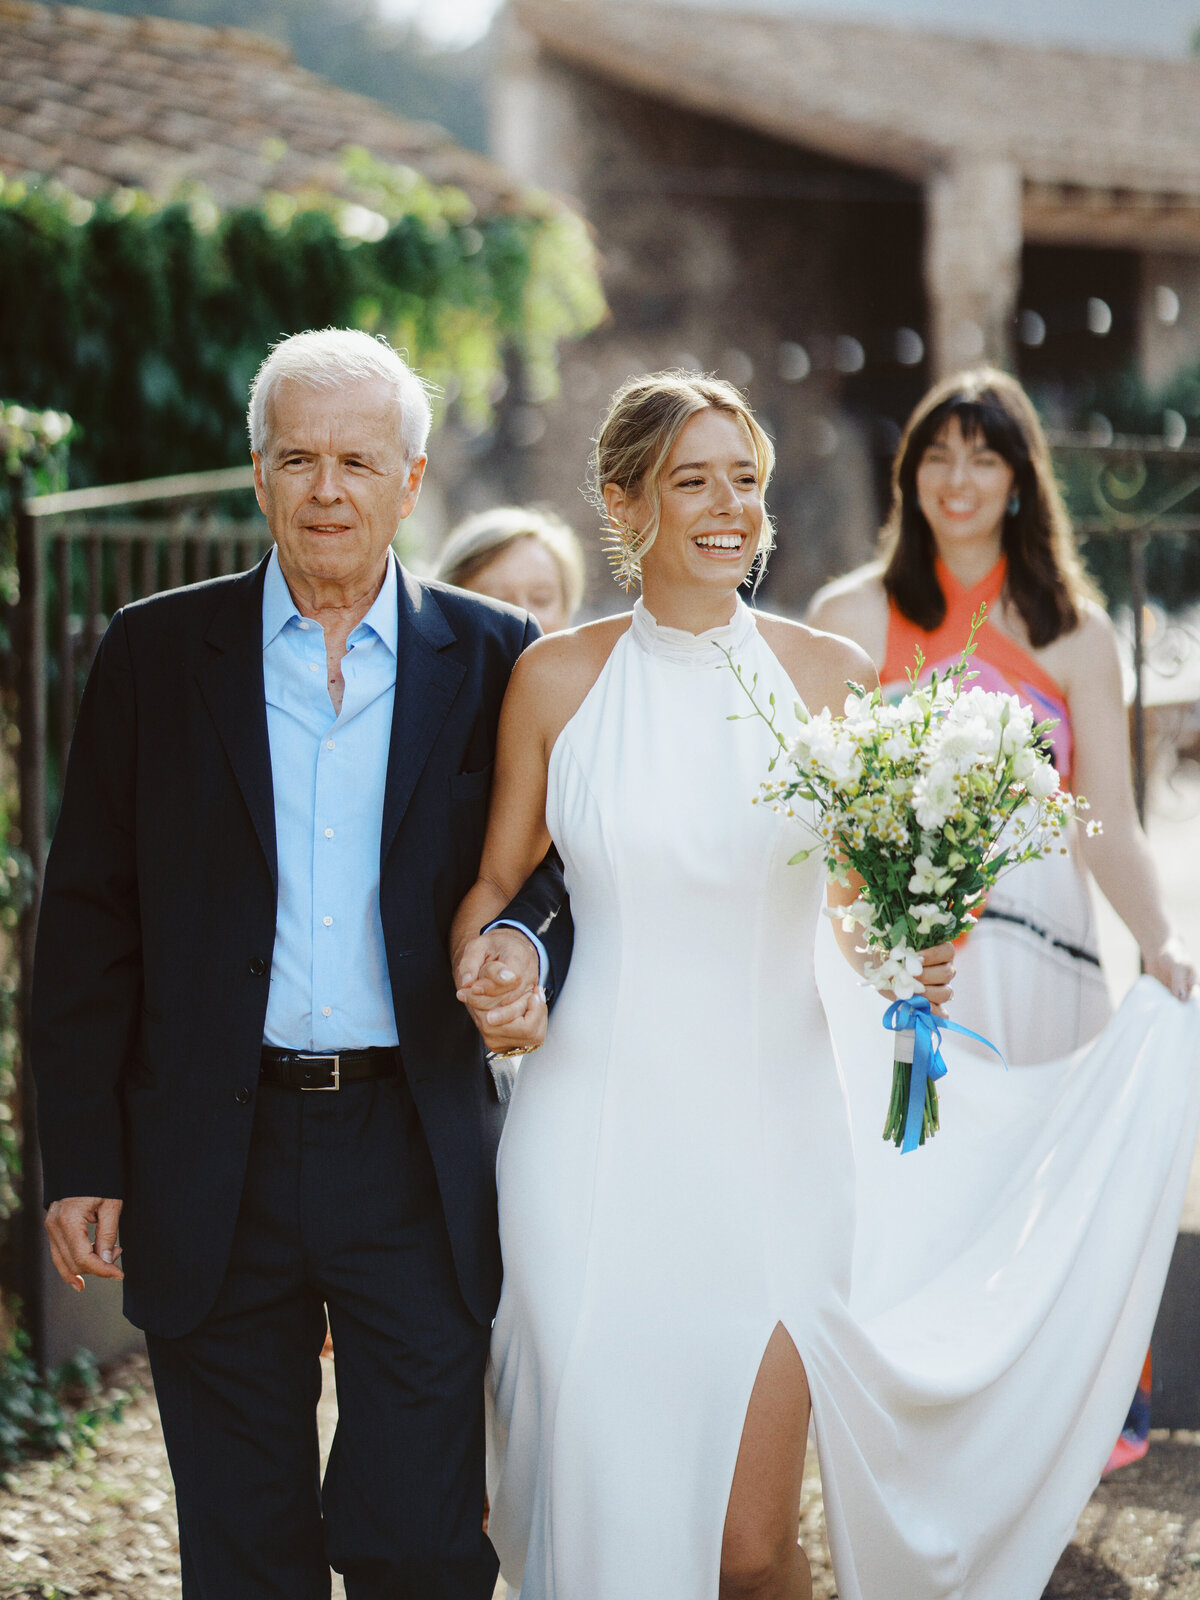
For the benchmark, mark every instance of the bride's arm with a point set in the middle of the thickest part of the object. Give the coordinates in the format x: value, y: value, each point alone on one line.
x: 507, y: 1013
x: 547, y: 687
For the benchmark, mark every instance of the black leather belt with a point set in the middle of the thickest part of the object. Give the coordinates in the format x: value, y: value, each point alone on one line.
x: 326, y: 1069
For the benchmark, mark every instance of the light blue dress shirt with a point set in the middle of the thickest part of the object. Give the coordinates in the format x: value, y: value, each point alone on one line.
x: 329, y: 975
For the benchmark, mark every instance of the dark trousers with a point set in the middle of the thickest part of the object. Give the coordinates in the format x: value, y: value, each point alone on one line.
x: 340, y: 1210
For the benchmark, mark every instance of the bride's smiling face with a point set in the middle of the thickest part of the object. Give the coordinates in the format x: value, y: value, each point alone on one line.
x: 712, y: 513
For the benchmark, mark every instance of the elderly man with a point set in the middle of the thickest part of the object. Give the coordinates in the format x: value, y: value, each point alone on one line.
x: 246, y: 1038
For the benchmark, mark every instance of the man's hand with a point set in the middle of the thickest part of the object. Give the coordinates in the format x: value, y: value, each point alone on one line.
x: 497, y: 975
x: 68, y: 1222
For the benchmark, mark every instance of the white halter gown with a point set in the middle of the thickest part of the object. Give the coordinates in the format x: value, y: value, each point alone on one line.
x: 677, y: 1178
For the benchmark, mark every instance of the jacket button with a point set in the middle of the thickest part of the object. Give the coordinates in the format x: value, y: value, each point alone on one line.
x: 257, y: 966
x: 243, y: 1097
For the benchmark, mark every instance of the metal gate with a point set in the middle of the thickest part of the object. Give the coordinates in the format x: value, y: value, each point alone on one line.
x: 81, y: 555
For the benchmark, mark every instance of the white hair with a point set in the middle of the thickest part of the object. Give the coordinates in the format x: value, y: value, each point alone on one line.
x: 334, y: 356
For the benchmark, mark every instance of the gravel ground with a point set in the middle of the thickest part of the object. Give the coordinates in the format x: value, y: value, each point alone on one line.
x: 102, y: 1527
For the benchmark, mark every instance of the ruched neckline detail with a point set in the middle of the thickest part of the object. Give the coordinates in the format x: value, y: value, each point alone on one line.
x: 693, y: 649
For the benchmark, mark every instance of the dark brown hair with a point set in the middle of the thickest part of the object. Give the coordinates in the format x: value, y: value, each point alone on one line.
x: 1046, y: 580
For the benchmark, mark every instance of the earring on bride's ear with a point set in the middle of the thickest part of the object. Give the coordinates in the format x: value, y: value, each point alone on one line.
x: 1014, y: 503
x: 622, y: 546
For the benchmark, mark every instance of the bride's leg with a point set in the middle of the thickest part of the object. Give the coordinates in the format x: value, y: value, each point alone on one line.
x: 760, y: 1556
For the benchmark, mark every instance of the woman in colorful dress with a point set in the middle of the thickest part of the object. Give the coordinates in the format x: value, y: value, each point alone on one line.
x: 977, y: 520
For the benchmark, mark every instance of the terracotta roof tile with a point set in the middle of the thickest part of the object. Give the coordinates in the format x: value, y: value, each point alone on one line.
x: 147, y: 102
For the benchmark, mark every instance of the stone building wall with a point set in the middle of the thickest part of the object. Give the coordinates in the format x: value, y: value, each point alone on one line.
x: 789, y: 274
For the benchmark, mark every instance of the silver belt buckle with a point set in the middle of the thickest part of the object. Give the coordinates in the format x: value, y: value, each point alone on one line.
x: 323, y: 1088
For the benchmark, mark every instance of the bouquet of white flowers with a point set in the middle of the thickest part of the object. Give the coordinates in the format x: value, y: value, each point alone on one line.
x: 922, y: 804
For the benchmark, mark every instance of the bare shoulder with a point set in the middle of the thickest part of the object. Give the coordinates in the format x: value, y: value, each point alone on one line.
x: 552, y: 678
x: 1090, y: 653
x: 856, y: 607
x: 1088, y: 647
x: 819, y: 664
x: 844, y: 596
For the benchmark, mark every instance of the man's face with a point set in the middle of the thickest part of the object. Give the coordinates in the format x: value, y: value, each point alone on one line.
x: 333, y: 483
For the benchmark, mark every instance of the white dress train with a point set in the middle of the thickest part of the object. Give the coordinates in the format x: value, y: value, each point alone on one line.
x: 677, y: 1177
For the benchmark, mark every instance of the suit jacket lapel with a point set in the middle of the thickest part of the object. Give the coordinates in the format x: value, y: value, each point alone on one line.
x: 231, y: 681
x: 426, y: 685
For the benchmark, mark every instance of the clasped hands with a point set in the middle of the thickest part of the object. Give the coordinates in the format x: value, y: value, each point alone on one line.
x: 497, y: 976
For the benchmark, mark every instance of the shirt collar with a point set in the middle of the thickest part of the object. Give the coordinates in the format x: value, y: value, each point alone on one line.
x: 279, y: 608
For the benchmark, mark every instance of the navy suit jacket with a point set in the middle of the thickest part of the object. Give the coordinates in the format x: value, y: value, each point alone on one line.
x: 158, y: 921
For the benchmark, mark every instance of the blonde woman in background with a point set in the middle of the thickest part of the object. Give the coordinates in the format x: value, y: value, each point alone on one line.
x: 529, y: 558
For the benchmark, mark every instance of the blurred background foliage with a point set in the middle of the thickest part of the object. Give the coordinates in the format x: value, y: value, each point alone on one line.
x: 146, y: 322
x: 33, y: 449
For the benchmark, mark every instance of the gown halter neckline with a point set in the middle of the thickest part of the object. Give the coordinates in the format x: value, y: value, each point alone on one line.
x: 686, y: 649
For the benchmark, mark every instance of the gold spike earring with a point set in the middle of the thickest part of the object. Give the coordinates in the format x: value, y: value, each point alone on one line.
x: 622, y: 545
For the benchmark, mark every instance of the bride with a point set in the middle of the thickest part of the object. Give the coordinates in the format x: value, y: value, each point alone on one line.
x: 676, y: 1176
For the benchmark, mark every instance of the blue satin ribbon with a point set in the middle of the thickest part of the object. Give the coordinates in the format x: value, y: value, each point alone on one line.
x: 927, y: 1060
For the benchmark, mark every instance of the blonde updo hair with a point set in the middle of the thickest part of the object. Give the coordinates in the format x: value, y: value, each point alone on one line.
x: 477, y: 541
x: 644, y: 421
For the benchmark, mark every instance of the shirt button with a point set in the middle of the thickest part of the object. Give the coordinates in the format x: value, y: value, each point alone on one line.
x: 329, y: 744
x: 328, y: 921
x: 243, y: 1097
x: 329, y: 833
x: 326, y: 1011
x: 313, y: 667
x: 304, y: 627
